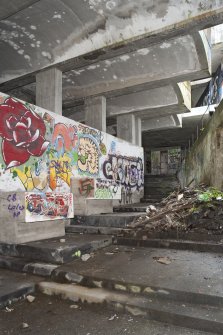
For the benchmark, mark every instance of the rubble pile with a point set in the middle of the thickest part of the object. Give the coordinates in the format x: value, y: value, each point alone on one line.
x: 197, y: 210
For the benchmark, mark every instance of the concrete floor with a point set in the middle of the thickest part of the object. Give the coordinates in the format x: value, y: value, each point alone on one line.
x: 53, y: 316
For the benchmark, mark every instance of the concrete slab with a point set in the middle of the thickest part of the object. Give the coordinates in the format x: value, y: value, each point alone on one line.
x: 15, y: 286
x: 56, y: 250
x: 188, y: 272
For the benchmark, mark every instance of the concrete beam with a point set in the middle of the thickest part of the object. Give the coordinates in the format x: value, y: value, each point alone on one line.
x: 90, y: 33
x: 156, y: 102
x: 165, y: 122
x: 173, y: 61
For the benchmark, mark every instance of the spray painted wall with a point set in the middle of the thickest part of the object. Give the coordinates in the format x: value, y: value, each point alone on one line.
x: 41, y: 151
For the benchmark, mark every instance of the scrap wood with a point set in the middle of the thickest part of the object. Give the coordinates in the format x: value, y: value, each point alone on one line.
x: 163, y: 213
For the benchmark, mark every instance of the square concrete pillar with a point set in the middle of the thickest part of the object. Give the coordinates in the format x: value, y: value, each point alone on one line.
x: 95, y: 113
x: 126, y: 127
x: 49, y: 90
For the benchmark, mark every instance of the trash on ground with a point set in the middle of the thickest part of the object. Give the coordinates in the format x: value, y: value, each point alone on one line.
x: 85, y: 257
x: 163, y: 260
x: 30, y: 298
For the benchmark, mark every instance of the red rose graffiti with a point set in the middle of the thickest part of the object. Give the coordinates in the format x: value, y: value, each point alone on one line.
x: 22, y: 131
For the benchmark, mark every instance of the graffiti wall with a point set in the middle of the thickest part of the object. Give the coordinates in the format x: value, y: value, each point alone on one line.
x: 48, y: 206
x: 41, y: 151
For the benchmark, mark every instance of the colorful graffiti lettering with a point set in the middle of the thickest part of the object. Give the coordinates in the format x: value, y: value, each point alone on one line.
x: 107, y: 189
x: 48, y: 206
x: 127, y: 170
x: 86, y: 187
x: 88, y: 156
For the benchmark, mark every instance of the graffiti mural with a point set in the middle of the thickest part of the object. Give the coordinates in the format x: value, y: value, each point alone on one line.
x: 126, y: 170
x: 86, y: 187
x: 42, y: 151
x: 214, y: 91
x: 48, y: 206
x: 22, y: 132
x: 107, y: 189
x: 88, y: 156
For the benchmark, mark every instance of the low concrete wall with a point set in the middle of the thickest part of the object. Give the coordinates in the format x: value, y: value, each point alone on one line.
x: 204, y: 163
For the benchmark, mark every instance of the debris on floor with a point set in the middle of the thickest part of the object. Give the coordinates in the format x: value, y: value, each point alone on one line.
x: 199, y: 210
x: 163, y: 260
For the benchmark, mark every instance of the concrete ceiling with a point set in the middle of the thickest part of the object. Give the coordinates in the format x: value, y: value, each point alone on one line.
x: 177, y: 136
x: 40, y: 35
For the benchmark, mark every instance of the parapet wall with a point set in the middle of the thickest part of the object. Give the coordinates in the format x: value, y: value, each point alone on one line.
x: 204, y: 163
x: 42, y: 152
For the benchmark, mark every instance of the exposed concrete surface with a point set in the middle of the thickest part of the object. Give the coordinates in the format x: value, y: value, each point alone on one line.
x: 14, y: 286
x: 204, y: 161
x: 53, y: 316
x: 91, y: 26
x: 201, y: 317
x: 49, y: 90
x: 56, y: 250
x: 95, y: 113
x: 137, y: 265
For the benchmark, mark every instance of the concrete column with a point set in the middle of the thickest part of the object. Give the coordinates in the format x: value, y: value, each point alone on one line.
x: 164, y: 162
x: 49, y: 90
x: 138, y: 130
x: 95, y: 113
x: 129, y: 128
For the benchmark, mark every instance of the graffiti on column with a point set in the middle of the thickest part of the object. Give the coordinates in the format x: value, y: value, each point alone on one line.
x: 107, y: 189
x: 86, y: 187
x: 126, y: 170
x: 48, y: 206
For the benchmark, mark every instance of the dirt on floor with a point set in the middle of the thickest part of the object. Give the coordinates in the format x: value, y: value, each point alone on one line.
x: 54, y: 316
x: 197, y: 210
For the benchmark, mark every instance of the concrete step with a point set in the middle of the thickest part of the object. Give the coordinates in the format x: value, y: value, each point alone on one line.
x: 67, y: 274
x: 118, y: 220
x: 82, y: 229
x: 14, y: 286
x: 130, y: 208
x: 208, y: 246
x: 200, y: 317
x: 57, y: 250
x: 26, y: 266
x: 189, y: 276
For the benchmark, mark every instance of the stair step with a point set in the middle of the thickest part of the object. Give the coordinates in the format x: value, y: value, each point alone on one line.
x: 118, y: 220
x: 200, y: 317
x: 208, y: 246
x: 24, y: 265
x: 55, y: 250
x: 82, y: 229
x: 127, y: 209
x: 14, y: 287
